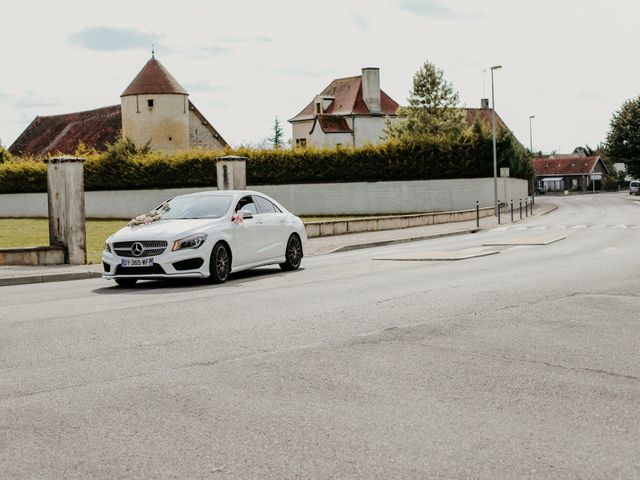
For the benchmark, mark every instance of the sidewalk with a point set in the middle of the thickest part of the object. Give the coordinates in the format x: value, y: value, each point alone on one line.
x: 20, y: 275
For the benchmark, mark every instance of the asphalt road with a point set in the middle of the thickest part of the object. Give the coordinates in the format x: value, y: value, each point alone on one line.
x: 522, y: 364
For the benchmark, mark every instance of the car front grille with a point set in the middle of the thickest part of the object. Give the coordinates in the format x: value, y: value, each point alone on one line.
x: 151, y: 248
x: 153, y: 270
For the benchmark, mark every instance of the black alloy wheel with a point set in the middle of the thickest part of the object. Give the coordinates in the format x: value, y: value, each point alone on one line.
x: 220, y: 263
x: 126, y: 282
x: 293, y: 254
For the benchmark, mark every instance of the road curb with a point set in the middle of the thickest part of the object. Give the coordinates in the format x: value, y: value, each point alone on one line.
x: 48, y: 278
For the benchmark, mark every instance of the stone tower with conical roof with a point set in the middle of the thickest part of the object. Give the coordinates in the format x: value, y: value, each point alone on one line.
x: 155, y: 109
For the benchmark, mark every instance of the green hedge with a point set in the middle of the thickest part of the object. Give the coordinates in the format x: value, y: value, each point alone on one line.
x: 424, y: 160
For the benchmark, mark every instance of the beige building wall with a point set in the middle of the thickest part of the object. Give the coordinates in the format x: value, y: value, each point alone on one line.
x: 165, y: 124
x: 320, y: 139
x: 301, y: 131
x: 200, y: 136
x: 367, y: 130
x: 370, y: 130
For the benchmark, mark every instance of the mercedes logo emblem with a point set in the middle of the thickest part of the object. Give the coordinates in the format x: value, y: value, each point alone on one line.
x: 137, y: 248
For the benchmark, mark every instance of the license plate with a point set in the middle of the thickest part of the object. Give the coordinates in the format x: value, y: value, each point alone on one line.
x: 137, y: 262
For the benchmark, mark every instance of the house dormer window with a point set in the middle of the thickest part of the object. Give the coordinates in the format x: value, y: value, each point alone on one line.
x: 150, y: 103
x: 318, y: 108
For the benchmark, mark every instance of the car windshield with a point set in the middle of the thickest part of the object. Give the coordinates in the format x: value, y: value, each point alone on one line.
x: 202, y: 206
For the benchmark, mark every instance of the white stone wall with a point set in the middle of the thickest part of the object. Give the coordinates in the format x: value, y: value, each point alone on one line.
x: 304, y: 199
x: 165, y: 125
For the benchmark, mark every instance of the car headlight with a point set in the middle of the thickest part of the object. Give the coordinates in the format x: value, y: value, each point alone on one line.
x: 107, y: 247
x: 194, y: 241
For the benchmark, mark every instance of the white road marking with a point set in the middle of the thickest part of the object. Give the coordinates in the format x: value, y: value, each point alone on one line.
x: 499, y: 229
x: 598, y: 227
x: 576, y: 227
x: 621, y: 225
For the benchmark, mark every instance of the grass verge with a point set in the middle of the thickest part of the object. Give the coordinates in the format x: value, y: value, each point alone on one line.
x: 33, y: 232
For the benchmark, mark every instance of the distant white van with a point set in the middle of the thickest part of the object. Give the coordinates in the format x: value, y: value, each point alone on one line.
x: 634, y: 187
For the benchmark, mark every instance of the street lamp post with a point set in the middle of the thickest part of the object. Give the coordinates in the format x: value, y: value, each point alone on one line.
x: 495, y: 154
x: 533, y: 178
x: 531, y: 117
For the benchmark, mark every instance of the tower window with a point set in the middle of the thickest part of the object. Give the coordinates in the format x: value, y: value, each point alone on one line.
x: 150, y: 103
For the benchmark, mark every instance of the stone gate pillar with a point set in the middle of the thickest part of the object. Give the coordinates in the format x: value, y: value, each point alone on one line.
x: 65, y: 195
x: 231, y: 172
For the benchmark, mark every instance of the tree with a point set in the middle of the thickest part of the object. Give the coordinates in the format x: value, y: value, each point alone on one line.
x: 587, y: 151
x: 4, y: 154
x: 278, y: 135
x: 432, y: 109
x: 623, y: 139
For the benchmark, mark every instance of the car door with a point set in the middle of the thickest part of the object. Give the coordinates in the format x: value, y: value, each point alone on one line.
x: 274, y: 221
x: 249, y: 236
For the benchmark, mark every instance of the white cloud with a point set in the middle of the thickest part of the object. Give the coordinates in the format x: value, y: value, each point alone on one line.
x: 361, y: 21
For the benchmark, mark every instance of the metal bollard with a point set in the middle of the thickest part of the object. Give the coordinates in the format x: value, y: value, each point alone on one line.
x: 512, y: 210
x: 526, y: 207
x: 520, y: 209
x: 532, y: 208
x: 499, y: 208
x: 477, y: 214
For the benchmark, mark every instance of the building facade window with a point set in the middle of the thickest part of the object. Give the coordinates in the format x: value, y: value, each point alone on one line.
x: 301, y: 142
x: 150, y: 103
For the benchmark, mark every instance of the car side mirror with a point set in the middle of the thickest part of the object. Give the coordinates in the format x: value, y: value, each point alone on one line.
x: 246, y: 214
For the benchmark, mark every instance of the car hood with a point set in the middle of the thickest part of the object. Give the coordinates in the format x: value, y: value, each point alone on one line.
x: 166, y: 229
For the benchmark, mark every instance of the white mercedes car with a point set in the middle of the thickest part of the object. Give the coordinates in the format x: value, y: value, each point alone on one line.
x: 206, y: 234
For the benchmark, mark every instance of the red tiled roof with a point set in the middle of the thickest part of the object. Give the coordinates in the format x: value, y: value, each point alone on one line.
x: 348, y: 100
x: 153, y: 78
x: 62, y: 133
x: 565, y: 166
x: 332, y: 124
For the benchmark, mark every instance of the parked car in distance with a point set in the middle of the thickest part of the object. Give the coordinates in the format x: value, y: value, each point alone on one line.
x: 634, y: 187
x: 205, y: 234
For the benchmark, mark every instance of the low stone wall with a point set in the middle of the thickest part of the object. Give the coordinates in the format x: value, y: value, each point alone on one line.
x: 32, y: 256
x: 393, y: 222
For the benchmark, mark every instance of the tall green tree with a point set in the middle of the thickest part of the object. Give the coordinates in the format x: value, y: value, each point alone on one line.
x: 277, y: 138
x: 433, y: 108
x: 623, y: 139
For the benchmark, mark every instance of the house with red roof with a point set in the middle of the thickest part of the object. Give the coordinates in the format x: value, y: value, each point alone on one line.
x: 573, y: 172
x: 153, y: 109
x: 350, y: 111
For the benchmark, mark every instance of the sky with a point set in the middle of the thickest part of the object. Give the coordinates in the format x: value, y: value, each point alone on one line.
x: 570, y: 63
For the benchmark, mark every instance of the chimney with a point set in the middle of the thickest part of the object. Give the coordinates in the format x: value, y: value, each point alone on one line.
x: 484, y: 103
x: 371, y: 89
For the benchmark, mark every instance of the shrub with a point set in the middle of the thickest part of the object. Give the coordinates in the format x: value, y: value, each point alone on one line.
x: 125, y: 166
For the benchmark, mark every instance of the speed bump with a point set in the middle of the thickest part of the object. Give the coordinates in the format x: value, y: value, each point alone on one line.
x: 531, y: 240
x: 438, y: 256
